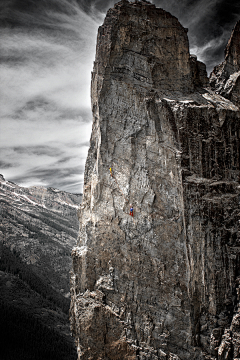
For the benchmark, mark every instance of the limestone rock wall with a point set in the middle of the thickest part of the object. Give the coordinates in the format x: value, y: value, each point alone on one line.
x: 225, y: 78
x: 199, y: 72
x: 161, y: 284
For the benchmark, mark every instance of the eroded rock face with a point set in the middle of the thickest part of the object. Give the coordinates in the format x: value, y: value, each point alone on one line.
x: 225, y: 78
x: 159, y: 285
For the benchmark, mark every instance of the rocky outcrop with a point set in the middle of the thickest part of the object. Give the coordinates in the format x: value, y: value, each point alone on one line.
x: 199, y: 72
x: 161, y: 284
x: 225, y: 78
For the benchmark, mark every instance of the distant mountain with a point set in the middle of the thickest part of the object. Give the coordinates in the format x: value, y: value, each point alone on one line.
x: 38, y: 228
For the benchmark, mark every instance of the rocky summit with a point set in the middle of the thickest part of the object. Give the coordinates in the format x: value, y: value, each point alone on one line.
x: 225, y: 78
x: 156, y: 271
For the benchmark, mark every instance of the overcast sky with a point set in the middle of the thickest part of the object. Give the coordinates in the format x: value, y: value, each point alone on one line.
x: 46, y: 58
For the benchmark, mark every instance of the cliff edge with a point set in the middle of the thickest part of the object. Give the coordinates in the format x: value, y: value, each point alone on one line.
x: 163, y: 283
x: 225, y: 77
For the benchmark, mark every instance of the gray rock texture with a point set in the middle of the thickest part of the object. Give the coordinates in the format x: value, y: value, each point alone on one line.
x: 41, y: 225
x: 225, y: 78
x: 161, y: 284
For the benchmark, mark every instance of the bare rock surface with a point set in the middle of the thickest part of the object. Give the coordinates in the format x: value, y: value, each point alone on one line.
x: 163, y: 283
x: 225, y: 78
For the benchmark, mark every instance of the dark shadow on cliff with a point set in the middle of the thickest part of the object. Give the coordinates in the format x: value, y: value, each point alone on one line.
x: 34, y: 317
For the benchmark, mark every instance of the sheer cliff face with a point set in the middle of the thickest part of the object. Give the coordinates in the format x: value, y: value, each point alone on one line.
x: 225, y: 78
x: 160, y: 284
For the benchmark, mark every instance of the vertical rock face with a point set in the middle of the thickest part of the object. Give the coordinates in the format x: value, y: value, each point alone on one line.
x: 225, y: 78
x: 161, y: 284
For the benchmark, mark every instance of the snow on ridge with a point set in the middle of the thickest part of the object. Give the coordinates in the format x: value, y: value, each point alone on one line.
x: 66, y: 203
x: 7, y: 184
x: 24, y: 197
x: 19, y: 194
x: 29, y: 200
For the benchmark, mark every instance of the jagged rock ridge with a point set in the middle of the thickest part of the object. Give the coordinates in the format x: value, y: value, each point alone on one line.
x: 225, y: 78
x: 41, y: 224
x: 162, y: 284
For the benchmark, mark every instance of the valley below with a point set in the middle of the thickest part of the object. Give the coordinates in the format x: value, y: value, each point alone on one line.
x: 38, y: 230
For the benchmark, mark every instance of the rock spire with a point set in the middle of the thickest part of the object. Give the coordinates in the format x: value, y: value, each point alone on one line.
x: 159, y: 284
x: 225, y: 78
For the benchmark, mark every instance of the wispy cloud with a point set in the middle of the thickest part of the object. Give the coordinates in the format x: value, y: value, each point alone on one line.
x: 38, y: 67
x: 41, y: 147
x: 211, y: 50
x: 45, y: 71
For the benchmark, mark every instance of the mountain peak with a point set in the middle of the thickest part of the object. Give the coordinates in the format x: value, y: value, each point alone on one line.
x: 232, y: 51
x: 225, y: 77
x: 160, y: 204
